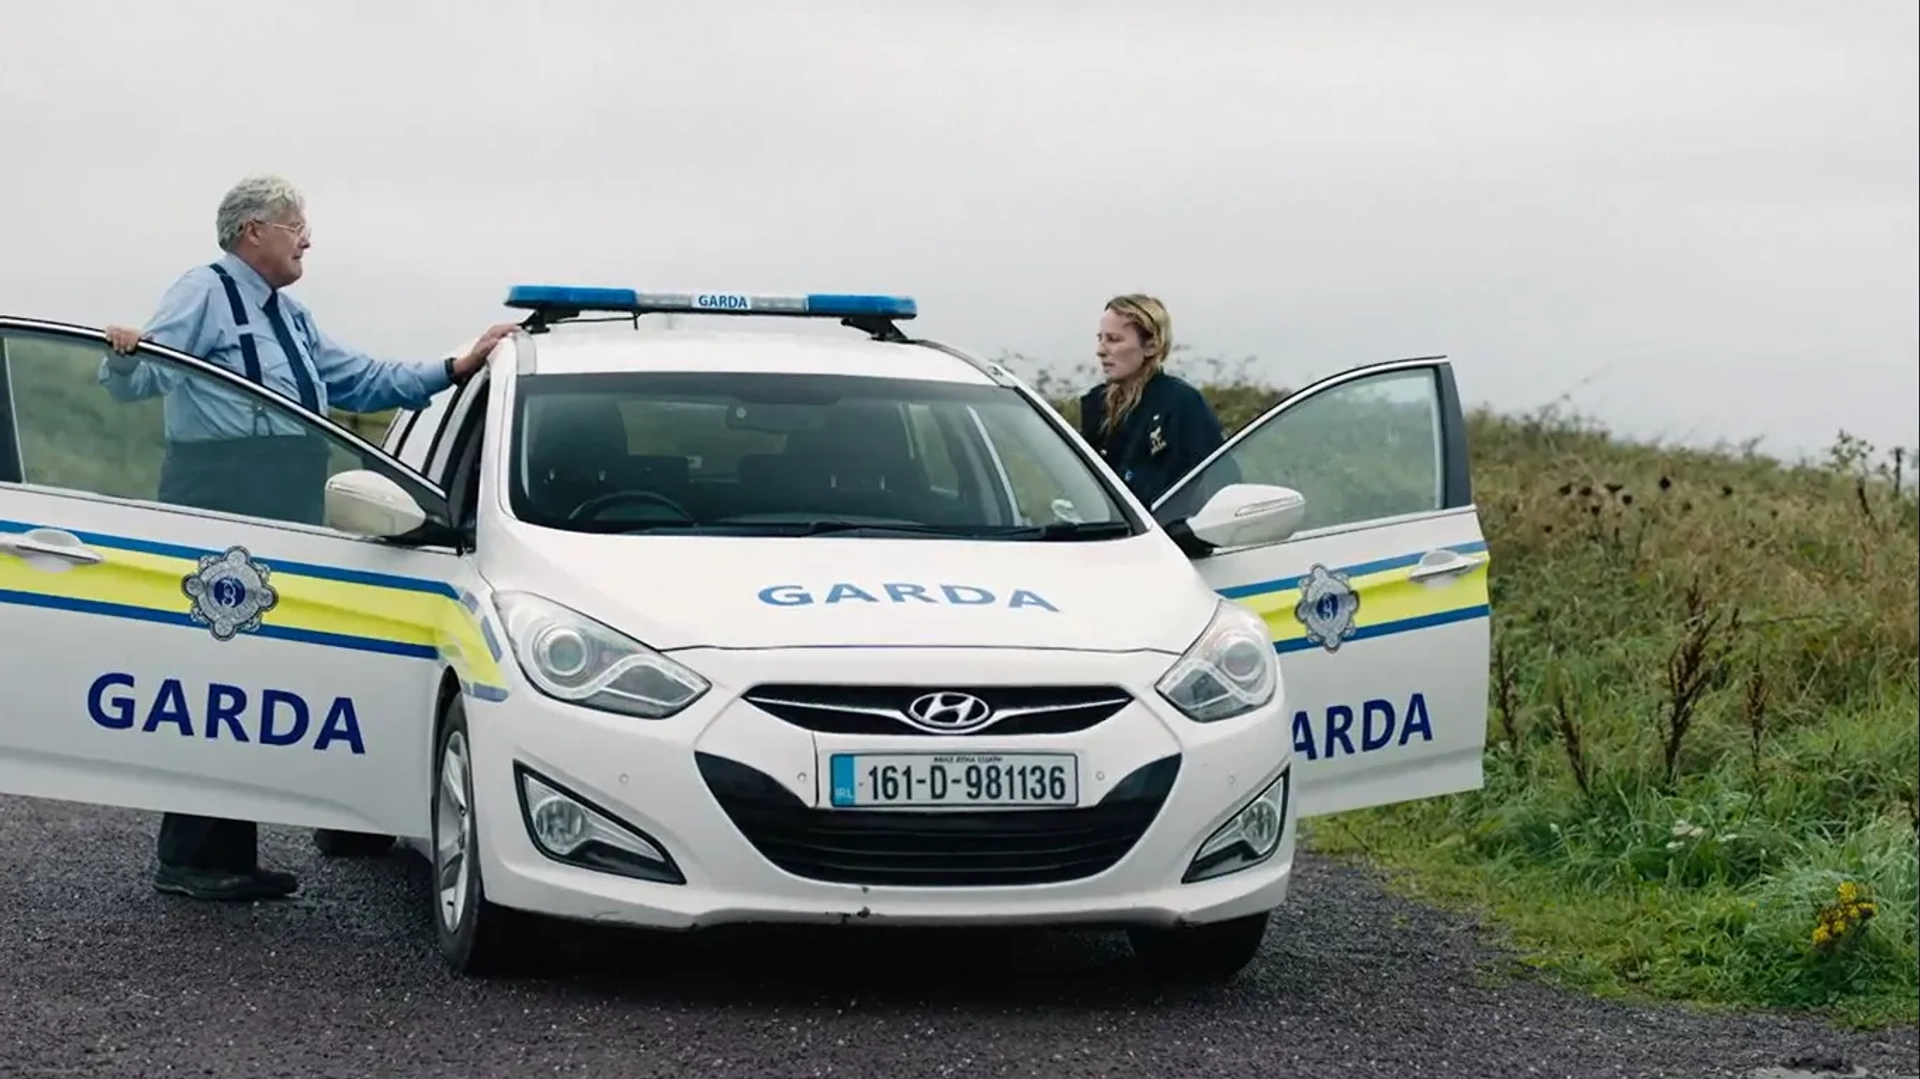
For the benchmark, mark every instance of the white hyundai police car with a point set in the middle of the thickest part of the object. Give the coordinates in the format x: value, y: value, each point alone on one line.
x: 779, y: 616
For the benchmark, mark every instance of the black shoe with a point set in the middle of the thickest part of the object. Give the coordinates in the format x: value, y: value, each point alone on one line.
x: 274, y: 883
x: 223, y: 885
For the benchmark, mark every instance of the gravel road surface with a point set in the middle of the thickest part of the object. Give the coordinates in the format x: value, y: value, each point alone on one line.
x: 102, y: 977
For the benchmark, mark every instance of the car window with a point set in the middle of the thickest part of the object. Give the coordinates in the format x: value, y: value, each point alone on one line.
x: 411, y: 436
x: 695, y: 431
x: 371, y: 426
x: 1044, y: 490
x: 161, y: 433
x: 1359, y: 451
x: 731, y: 452
x: 931, y: 448
x: 460, y: 476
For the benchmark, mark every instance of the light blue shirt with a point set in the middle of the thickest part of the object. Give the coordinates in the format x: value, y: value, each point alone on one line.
x: 195, y: 318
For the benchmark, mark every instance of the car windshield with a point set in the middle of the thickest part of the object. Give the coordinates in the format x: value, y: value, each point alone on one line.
x: 798, y: 455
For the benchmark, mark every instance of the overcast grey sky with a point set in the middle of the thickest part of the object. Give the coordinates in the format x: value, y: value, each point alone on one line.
x: 1699, y: 218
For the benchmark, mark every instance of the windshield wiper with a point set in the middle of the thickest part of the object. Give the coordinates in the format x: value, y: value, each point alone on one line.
x: 1057, y: 531
x: 1073, y: 530
x: 827, y: 527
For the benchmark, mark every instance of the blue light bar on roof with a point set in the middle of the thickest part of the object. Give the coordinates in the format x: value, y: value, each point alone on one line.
x: 578, y: 300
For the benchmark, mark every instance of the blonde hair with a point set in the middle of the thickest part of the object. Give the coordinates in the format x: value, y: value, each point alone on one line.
x: 1149, y: 318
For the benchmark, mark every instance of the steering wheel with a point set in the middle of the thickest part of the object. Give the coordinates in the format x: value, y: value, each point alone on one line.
x: 592, y: 507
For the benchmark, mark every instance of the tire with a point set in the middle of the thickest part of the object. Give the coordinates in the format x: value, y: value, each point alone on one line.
x: 332, y: 844
x: 1207, y: 953
x: 476, y: 937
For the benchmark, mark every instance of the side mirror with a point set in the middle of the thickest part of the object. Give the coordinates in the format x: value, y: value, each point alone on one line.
x: 369, y: 504
x: 1241, y: 514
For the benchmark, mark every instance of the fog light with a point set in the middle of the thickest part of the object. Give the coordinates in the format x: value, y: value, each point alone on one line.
x: 1260, y: 826
x: 1249, y: 837
x: 570, y: 829
x: 559, y: 825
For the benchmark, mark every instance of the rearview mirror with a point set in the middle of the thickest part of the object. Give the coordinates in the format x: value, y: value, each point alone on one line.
x: 369, y: 504
x: 1241, y: 514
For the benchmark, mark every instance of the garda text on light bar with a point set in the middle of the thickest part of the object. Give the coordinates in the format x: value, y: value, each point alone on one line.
x: 629, y: 301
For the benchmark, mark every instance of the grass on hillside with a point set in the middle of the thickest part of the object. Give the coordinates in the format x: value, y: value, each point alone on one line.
x: 1704, y: 720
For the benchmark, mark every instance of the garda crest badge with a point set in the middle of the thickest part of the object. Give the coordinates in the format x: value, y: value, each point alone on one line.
x: 230, y: 593
x: 1156, y: 438
x: 1327, y: 607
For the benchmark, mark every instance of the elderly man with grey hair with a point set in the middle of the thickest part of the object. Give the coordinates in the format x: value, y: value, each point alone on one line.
x: 226, y: 454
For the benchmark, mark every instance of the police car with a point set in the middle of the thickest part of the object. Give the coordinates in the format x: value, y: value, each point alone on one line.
x: 775, y: 614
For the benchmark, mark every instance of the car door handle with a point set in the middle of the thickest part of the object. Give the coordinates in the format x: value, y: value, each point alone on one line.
x: 52, y: 543
x: 1444, y: 564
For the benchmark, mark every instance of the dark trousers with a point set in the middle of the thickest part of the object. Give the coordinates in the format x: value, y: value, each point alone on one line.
x: 273, y: 477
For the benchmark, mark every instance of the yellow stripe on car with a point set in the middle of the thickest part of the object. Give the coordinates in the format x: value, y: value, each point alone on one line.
x: 324, y: 606
x: 1390, y: 601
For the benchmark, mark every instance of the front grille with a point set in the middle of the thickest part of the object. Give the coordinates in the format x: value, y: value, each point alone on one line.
x: 882, y: 710
x: 941, y: 848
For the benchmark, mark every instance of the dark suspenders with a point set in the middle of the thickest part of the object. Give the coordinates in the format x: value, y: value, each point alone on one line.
x: 248, y: 353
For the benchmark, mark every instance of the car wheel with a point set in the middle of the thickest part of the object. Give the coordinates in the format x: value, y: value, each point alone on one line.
x: 475, y: 936
x: 1214, y: 952
x: 332, y: 844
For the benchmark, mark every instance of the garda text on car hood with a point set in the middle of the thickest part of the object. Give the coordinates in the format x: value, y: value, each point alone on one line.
x: 753, y: 592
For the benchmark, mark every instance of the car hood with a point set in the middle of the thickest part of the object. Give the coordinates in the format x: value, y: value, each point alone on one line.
x: 674, y: 592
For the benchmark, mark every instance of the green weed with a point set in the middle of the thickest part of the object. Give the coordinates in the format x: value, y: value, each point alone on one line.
x: 1704, y: 718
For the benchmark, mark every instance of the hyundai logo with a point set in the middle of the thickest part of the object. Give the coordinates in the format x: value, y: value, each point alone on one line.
x: 949, y: 713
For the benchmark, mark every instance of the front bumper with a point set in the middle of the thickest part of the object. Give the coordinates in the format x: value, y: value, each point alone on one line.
x: 735, y: 796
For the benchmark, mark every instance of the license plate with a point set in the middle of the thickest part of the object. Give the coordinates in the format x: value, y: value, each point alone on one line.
x: 900, y: 780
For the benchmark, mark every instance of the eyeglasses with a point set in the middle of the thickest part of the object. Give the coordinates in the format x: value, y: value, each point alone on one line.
x: 302, y: 232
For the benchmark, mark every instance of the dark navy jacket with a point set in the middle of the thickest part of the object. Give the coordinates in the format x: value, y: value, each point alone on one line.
x: 1171, y: 430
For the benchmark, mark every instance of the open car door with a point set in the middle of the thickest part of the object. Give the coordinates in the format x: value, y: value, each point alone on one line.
x: 163, y: 657
x: 1377, y: 602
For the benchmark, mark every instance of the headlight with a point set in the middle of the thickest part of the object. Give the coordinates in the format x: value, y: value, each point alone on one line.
x: 1249, y: 837
x: 1229, y: 671
x: 571, y: 657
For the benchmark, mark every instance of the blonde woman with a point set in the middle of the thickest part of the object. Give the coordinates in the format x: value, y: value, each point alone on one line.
x: 1151, y: 426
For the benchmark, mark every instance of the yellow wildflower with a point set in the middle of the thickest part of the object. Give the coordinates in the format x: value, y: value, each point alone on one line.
x: 1839, y: 919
